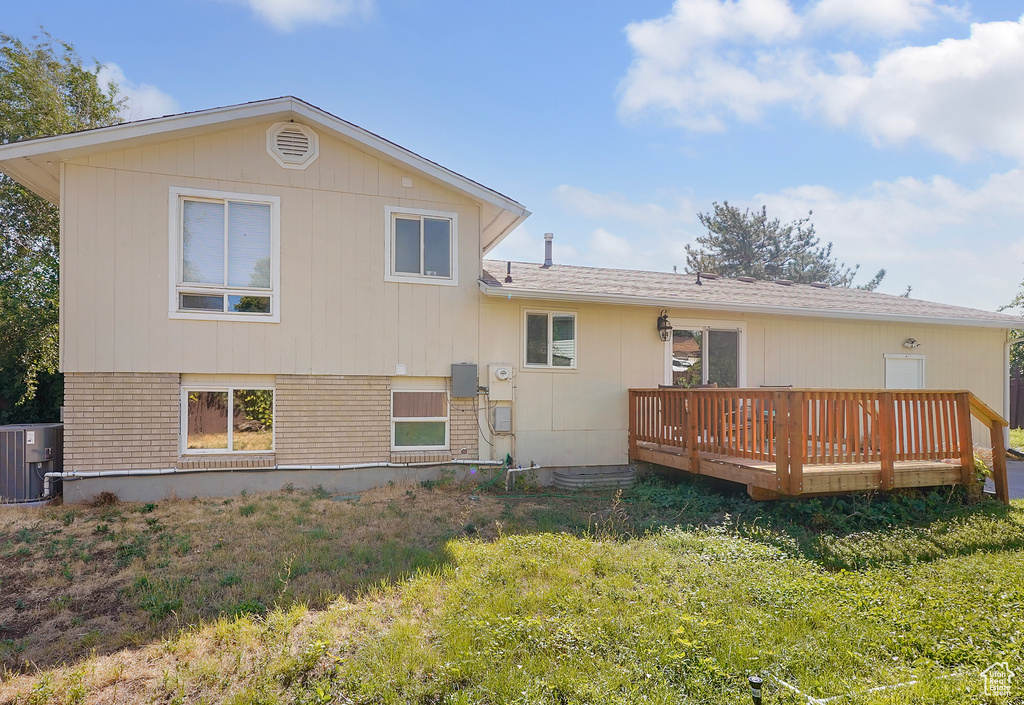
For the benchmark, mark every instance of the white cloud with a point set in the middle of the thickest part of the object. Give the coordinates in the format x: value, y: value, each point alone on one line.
x: 523, y: 245
x: 286, y: 15
x: 618, y: 207
x: 678, y: 70
x: 705, y: 64
x: 881, y: 16
x: 951, y: 242
x: 144, y: 100
x: 959, y: 96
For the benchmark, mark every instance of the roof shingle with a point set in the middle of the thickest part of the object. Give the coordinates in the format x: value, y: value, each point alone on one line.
x: 681, y: 290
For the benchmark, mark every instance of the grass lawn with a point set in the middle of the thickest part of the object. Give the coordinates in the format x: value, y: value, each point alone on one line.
x: 1017, y: 437
x: 673, y: 594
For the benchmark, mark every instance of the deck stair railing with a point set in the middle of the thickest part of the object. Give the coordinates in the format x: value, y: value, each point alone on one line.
x: 793, y: 428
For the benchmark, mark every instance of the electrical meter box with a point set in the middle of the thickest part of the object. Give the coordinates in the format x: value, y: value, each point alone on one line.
x: 499, y: 382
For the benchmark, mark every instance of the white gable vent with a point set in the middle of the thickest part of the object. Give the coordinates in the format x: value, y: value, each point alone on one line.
x: 292, y: 145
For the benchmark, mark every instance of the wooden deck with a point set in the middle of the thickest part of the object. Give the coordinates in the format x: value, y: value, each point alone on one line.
x: 763, y: 482
x: 813, y: 442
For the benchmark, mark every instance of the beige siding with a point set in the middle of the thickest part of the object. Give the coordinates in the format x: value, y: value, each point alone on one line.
x: 338, y: 315
x: 579, y: 417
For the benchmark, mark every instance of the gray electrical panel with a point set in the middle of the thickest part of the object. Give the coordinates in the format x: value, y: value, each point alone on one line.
x: 464, y: 380
x: 27, y: 453
x: 503, y: 419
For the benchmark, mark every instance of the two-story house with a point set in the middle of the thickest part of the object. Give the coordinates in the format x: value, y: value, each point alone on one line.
x: 265, y: 294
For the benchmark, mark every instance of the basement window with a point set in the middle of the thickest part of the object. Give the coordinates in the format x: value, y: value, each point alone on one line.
x: 227, y: 420
x: 419, y: 420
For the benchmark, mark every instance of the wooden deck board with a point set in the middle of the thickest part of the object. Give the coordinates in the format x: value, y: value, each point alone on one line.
x: 817, y: 479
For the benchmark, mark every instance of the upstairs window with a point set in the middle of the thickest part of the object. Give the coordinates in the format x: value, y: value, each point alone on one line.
x: 550, y: 339
x: 225, y: 255
x: 421, y: 246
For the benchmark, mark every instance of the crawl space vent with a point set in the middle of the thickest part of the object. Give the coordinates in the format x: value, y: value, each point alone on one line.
x: 292, y: 145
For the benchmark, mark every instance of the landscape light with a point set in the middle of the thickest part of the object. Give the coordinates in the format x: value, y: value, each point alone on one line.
x: 755, y: 688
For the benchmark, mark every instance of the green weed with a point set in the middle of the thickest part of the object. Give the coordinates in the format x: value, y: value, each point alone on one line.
x: 127, y: 552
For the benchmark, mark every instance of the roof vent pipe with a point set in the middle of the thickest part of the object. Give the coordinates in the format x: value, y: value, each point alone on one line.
x: 548, y: 237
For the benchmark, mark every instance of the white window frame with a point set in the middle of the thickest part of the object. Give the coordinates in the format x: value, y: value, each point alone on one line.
x: 390, y: 213
x: 446, y: 419
x: 176, y: 256
x: 740, y: 327
x: 183, y: 448
x: 551, y: 313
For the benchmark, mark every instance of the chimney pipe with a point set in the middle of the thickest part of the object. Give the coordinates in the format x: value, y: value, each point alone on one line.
x: 548, y: 237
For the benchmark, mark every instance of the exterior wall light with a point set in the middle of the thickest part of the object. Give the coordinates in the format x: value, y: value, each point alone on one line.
x: 664, y: 327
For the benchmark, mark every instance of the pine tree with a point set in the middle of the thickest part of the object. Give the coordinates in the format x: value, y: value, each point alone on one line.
x: 748, y: 243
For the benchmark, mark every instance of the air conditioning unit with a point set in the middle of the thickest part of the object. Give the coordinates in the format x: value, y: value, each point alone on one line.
x: 27, y: 453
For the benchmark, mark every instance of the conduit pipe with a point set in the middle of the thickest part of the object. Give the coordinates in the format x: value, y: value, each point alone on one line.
x: 78, y: 475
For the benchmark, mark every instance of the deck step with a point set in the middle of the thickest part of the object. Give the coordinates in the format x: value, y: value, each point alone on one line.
x: 594, y: 478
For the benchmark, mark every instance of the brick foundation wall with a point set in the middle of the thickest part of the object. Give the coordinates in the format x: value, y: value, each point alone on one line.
x: 332, y: 420
x: 120, y: 421
x: 130, y: 421
x: 464, y: 432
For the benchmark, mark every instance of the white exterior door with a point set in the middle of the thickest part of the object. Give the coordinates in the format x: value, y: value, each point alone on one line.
x: 904, y: 371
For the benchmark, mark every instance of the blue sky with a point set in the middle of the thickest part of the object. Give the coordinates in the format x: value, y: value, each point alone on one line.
x: 899, y: 123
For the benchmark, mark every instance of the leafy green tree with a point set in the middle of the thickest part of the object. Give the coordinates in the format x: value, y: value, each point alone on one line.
x: 1016, y: 351
x: 44, y: 90
x: 748, y: 243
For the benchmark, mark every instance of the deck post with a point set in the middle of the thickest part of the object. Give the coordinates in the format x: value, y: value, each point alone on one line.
x: 683, y: 422
x: 797, y: 443
x: 782, y: 442
x: 999, y: 462
x: 632, y: 424
x: 963, y: 417
x: 887, y: 440
x: 692, y: 413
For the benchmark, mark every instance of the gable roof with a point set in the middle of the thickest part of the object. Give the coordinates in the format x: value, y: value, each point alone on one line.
x: 36, y: 163
x: 622, y: 286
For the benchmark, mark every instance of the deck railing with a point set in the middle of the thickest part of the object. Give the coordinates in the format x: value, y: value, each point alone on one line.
x: 796, y: 427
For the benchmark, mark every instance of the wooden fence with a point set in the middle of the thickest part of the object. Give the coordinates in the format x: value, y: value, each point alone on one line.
x: 1016, y: 418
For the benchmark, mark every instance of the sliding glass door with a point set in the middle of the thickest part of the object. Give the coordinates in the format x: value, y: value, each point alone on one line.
x: 704, y: 356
